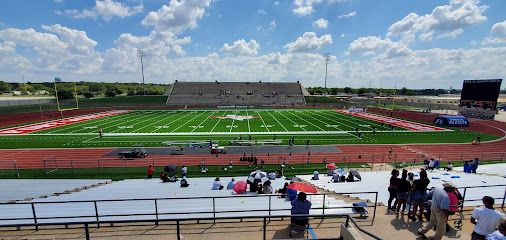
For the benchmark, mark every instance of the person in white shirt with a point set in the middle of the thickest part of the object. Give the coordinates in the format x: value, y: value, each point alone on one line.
x: 184, y: 170
x: 431, y: 164
x: 500, y: 233
x: 315, y: 175
x: 486, y: 219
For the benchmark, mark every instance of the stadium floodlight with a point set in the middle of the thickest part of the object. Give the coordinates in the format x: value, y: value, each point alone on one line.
x: 327, y: 59
x: 141, y: 55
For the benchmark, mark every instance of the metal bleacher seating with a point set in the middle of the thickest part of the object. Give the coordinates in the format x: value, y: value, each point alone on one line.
x: 110, y: 200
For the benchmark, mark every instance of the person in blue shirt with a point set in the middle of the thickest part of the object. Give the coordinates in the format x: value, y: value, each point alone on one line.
x: 231, y: 184
x: 292, y: 194
x: 300, y: 206
x: 217, y: 184
x: 439, y: 210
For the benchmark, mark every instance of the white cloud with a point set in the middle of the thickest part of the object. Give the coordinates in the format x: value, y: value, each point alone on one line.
x: 321, y: 23
x: 449, y: 20
x: 304, y: 7
x: 368, y: 44
x: 58, y: 1
x: 351, y: 14
x: 309, y: 42
x: 498, y: 34
x: 275, y: 3
x: 65, y: 50
x: 178, y: 16
x: 342, y: 35
x: 274, y: 58
x: 106, y: 10
x: 261, y: 11
x: 241, y: 48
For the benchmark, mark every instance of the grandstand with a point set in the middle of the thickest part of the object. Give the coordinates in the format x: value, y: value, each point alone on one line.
x: 235, y: 93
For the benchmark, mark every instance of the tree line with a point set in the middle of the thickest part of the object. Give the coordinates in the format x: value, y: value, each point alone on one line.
x: 382, y: 91
x: 87, y: 89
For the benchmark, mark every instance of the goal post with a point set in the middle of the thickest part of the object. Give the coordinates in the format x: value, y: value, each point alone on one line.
x: 57, y: 80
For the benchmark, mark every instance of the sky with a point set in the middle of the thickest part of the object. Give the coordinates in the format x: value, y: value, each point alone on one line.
x: 390, y: 44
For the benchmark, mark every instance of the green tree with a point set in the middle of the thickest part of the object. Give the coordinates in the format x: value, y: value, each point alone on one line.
x: 4, y: 87
x: 110, y: 92
x: 65, y: 94
x: 88, y: 95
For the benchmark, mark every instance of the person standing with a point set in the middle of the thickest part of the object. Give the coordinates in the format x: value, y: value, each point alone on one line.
x: 419, y: 195
x: 151, y: 170
x: 392, y: 190
x: 403, y: 187
x: 439, y: 210
x: 486, y: 219
x: 184, y: 171
x: 307, y: 142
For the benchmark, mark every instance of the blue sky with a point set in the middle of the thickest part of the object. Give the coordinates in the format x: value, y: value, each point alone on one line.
x: 413, y: 44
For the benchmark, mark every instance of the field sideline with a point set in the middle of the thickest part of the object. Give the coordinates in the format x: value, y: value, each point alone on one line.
x: 153, y: 127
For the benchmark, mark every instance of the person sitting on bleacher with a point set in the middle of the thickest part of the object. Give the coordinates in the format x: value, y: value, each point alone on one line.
x: 336, y: 177
x: 172, y: 178
x: 300, y: 206
x: 267, y: 187
x: 292, y: 194
x: 315, y: 175
x: 449, y: 167
x: 184, y: 183
x: 164, y: 177
x: 350, y: 178
x: 217, y: 184
x: 231, y: 184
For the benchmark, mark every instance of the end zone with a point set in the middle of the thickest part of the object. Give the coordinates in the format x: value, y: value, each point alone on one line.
x: 396, y: 122
x: 57, y: 123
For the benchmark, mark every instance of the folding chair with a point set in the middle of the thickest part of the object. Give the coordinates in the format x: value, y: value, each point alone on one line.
x: 296, y: 228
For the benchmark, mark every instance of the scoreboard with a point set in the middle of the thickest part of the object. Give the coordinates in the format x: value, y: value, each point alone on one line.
x: 480, y: 93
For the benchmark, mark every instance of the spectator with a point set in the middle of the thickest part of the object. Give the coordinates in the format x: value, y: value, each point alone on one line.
x: 500, y: 233
x: 449, y: 167
x: 350, y: 178
x: 217, y: 184
x: 300, y: 206
x: 419, y: 196
x: 173, y: 178
x: 184, y: 170
x: 439, y: 210
x: 292, y: 194
x: 259, y: 187
x: 411, y: 177
x: 403, y: 187
x: 486, y: 219
x: 151, y: 170
x: 283, y: 190
x: 475, y: 164
x: 164, y: 177
x: 431, y: 164
x: 315, y: 175
x: 392, y: 190
x: 267, y: 187
x: 231, y: 184
x: 183, y: 182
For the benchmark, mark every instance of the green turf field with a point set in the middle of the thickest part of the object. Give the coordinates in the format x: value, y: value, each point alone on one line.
x: 181, y: 127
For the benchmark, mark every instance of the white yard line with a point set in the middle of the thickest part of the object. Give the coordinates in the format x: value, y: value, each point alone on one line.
x: 135, y: 120
x: 294, y: 123
x: 224, y: 114
x: 90, y: 122
x: 283, y: 126
x: 365, y: 121
x: 344, y: 119
x: 151, y: 123
x: 171, y: 121
x: 186, y: 122
x: 265, y: 125
x: 307, y: 121
x: 232, y: 126
x: 203, y: 121
x: 249, y: 129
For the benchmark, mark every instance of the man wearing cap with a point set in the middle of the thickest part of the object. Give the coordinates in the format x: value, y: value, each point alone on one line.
x: 439, y: 210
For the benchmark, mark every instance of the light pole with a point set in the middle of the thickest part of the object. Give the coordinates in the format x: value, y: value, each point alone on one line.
x: 327, y: 59
x: 141, y: 55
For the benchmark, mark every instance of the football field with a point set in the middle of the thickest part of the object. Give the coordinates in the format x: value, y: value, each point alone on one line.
x: 182, y: 127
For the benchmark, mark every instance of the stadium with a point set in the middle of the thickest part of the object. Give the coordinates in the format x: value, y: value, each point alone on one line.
x: 85, y: 168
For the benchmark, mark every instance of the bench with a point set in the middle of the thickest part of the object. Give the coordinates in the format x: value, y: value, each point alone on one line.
x: 273, y: 142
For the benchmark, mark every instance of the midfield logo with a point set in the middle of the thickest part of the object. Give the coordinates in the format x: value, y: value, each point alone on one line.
x: 236, y: 117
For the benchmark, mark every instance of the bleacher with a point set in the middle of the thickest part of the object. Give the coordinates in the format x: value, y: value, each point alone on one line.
x: 235, y: 93
x: 172, y: 202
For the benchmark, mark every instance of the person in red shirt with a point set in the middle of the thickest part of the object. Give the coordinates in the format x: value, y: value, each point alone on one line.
x: 151, y: 170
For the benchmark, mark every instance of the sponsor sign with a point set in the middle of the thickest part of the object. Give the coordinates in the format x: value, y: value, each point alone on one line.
x: 396, y: 122
x: 60, y: 122
x: 452, y: 121
x: 235, y: 117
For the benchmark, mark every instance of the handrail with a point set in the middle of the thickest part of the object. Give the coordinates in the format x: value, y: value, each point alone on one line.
x: 177, y: 220
x: 156, y: 213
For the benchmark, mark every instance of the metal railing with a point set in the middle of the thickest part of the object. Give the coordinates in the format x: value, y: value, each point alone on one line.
x: 156, y: 214
x: 178, y: 222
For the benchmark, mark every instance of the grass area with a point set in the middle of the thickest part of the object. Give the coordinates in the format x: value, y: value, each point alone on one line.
x: 119, y: 173
x: 323, y: 99
x: 181, y: 127
x: 133, y: 100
